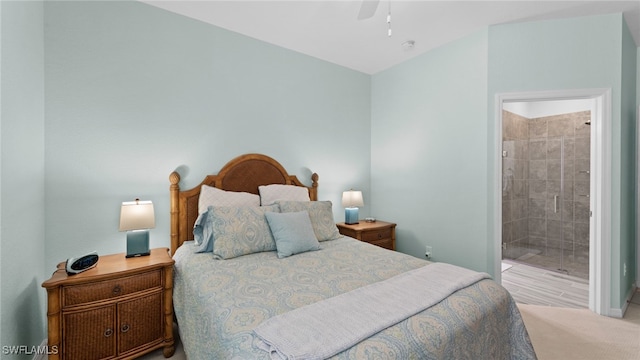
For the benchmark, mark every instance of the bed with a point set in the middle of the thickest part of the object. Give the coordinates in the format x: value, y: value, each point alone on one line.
x: 225, y: 295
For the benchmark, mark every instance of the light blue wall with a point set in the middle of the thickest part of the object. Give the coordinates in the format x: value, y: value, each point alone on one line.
x: 433, y: 124
x: 134, y: 92
x: 22, y: 174
x: 571, y: 54
x: 429, y: 145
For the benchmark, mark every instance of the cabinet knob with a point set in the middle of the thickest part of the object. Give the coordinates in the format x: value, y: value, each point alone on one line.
x: 108, y: 332
x: 124, y: 328
x: 379, y: 236
x: 117, y: 290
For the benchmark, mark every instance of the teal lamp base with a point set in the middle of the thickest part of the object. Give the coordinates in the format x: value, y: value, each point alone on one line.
x: 351, y: 216
x: 137, y: 243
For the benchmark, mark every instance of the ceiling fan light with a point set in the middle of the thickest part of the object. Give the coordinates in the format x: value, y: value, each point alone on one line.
x: 389, y: 23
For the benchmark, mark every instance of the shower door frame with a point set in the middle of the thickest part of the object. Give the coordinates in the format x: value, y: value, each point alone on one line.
x: 600, y: 203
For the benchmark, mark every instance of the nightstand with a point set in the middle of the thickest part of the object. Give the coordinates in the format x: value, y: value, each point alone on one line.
x: 378, y: 233
x: 121, y: 308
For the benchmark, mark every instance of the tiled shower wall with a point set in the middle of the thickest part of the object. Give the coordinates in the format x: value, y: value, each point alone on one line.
x: 515, y: 185
x: 531, y: 177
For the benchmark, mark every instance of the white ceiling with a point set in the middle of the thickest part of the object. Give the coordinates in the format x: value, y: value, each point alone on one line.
x: 330, y: 30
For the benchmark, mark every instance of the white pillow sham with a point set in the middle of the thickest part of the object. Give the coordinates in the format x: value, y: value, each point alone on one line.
x: 269, y: 194
x: 212, y: 196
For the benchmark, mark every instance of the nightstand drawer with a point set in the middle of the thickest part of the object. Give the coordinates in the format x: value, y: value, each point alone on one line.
x: 80, y: 294
x: 384, y: 243
x: 372, y: 236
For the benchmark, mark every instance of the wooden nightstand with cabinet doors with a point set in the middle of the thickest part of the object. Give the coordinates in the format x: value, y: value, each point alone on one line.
x: 378, y: 233
x: 121, y: 308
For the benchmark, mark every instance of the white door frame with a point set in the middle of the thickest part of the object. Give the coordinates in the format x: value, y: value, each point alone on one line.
x: 600, y: 201
x: 638, y: 198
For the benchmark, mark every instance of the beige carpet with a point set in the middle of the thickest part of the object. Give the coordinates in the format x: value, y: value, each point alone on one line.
x: 565, y: 334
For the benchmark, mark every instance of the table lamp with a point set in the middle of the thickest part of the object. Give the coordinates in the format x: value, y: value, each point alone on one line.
x: 136, y: 218
x: 351, y: 200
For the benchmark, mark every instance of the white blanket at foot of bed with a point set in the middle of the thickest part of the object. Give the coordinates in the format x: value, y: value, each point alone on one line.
x: 325, y: 328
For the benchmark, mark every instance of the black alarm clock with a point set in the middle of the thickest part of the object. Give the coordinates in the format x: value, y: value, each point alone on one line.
x: 83, y: 263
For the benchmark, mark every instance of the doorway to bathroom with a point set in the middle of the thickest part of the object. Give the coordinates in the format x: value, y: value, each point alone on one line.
x: 546, y: 184
x: 551, y: 186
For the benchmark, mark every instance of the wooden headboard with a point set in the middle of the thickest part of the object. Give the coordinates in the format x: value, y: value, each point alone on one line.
x: 244, y: 173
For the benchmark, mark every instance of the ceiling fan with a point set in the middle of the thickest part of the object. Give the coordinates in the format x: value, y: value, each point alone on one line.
x: 368, y: 9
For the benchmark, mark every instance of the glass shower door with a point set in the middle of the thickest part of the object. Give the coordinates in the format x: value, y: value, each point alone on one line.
x: 556, y: 224
x: 550, y: 203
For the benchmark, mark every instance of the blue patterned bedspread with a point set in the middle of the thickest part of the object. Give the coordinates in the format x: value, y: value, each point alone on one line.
x: 218, y: 303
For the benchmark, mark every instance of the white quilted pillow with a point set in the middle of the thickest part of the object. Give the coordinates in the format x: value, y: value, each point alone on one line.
x: 269, y: 194
x: 212, y: 196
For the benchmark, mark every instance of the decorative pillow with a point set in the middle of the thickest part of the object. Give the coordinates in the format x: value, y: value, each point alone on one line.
x: 212, y: 196
x: 292, y: 232
x: 203, y: 233
x: 241, y: 230
x: 320, y: 214
x: 269, y: 194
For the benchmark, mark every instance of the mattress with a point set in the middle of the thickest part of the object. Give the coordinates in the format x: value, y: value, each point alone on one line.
x: 218, y: 303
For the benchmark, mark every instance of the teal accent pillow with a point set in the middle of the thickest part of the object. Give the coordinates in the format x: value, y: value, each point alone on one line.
x: 203, y: 233
x: 292, y: 232
x: 241, y: 230
x: 321, y: 216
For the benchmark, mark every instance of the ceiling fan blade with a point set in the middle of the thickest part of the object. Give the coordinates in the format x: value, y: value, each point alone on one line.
x: 368, y: 9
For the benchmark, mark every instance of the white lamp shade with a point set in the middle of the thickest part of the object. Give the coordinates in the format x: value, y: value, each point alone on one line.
x: 137, y: 215
x: 352, y: 198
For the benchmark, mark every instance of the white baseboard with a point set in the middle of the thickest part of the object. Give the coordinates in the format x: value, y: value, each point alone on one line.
x: 619, y: 313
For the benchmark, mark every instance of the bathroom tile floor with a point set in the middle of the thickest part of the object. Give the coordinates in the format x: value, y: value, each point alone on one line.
x: 579, y: 268
x: 536, y: 286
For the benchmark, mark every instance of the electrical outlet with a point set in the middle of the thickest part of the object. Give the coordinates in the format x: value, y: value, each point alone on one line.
x: 624, y: 269
x: 427, y: 252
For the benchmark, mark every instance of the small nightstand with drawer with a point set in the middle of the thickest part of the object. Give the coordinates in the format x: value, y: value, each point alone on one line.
x: 378, y: 233
x: 121, y: 308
